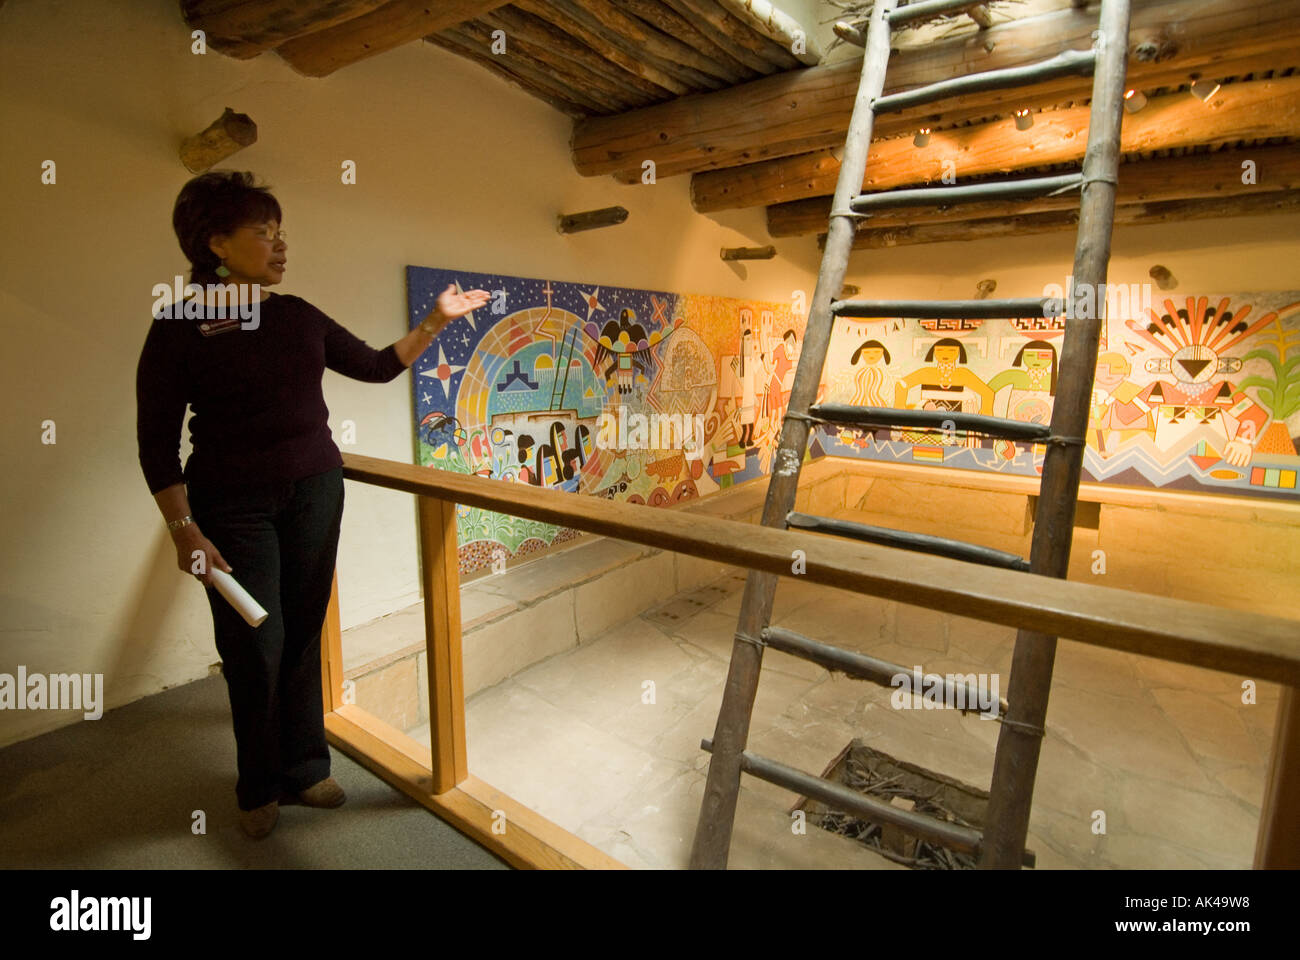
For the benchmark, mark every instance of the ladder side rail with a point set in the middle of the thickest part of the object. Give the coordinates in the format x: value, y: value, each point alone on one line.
x: 1020, y: 739
x: 712, y: 842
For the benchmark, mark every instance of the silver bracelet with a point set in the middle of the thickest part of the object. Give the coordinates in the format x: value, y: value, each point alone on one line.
x: 177, y: 524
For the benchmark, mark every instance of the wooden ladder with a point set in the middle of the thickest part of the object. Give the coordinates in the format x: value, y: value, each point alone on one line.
x: 1022, y: 714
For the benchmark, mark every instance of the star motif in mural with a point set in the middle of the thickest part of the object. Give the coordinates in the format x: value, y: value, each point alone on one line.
x: 469, y: 317
x: 442, y: 372
x: 593, y: 302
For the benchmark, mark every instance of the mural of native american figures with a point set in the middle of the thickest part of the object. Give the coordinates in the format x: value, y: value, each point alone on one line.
x: 947, y: 383
x: 654, y: 397
x: 1032, y: 383
x: 603, y: 391
x: 780, y: 381
x: 1117, y: 415
x: 740, y: 386
x: 1200, y: 394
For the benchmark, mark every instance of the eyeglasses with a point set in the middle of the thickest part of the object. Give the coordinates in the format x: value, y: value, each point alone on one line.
x: 264, y: 233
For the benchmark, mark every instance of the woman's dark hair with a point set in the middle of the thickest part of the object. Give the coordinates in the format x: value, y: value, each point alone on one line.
x: 1038, y: 345
x: 948, y: 342
x: 870, y: 345
x: 217, y: 202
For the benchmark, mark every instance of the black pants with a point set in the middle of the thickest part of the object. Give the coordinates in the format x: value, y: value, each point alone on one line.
x: 281, y: 542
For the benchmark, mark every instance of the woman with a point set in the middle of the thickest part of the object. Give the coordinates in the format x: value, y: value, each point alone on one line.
x: 261, y: 495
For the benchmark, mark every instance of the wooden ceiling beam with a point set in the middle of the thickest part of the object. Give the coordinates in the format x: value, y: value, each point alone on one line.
x: 779, y: 27
x: 740, y: 53
x: 544, y: 68
x: 598, y: 14
x: 726, y: 25
x: 560, y: 99
x: 793, y: 112
x: 524, y: 26
x: 667, y: 20
x: 609, y: 46
x: 1140, y: 214
x: 978, y: 108
x: 244, y: 28
x: 1254, y: 110
x: 387, y: 26
x: 1218, y: 174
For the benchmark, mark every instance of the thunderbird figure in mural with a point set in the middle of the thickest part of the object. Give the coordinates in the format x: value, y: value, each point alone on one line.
x: 625, y: 345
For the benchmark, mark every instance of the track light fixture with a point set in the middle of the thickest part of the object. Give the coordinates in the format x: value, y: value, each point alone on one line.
x: 922, y: 137
x: 1134, y: 100
x: 1024, y: 119
x: 1204, y: 89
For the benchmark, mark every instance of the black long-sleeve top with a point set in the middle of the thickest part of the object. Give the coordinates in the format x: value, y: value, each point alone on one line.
x: 259, y: 412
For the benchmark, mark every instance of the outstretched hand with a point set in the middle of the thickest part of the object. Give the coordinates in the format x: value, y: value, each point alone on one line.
x: 451, y: 305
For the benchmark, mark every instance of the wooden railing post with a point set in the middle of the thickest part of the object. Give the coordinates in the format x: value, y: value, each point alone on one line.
x: 331, y: 653
x: 440, y: 571
x: 1278, y: 844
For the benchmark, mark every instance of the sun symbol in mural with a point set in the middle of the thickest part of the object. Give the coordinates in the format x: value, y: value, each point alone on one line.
x: 1200, y: 407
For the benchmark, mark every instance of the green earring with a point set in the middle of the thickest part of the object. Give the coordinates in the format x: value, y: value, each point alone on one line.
x: 222, y: 271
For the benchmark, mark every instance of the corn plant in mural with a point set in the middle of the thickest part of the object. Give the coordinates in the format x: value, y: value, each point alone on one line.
x: 1280, y: 395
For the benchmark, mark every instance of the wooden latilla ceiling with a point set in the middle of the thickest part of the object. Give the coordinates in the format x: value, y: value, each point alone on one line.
x: 702, y: 92
x: 584, y: 57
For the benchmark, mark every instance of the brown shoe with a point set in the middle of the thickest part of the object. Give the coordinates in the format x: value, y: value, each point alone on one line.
x: 327, y: 793
x: 261, y: 821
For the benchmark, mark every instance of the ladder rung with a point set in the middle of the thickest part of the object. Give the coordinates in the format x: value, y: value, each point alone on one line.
x: 971, y: 193
x: 951, y: 835
x: 1063, y: 64
x: 929, y: 10
x: 861, y: 666
x: 906, y: 540
x: 933, y: 420
x: 1023, y: 307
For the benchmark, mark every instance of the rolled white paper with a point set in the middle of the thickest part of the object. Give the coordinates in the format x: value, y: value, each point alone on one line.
x: 238, y: 597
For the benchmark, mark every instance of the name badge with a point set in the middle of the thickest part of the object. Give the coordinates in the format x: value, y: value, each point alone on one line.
x: 210, y: 328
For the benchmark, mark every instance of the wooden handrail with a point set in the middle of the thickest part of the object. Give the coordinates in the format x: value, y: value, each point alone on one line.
x: 1255, y: 645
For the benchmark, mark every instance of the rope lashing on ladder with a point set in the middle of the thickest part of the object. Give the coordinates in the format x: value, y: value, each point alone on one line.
x: 806, y: 417
x: 1113, y: 181
x: 1031, y: 729
x: 746, y: 638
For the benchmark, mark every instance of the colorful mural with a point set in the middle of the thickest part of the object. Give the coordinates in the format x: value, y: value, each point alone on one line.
x: 655, y: 397
x: 1201, y: 393
x: 636, y: 395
